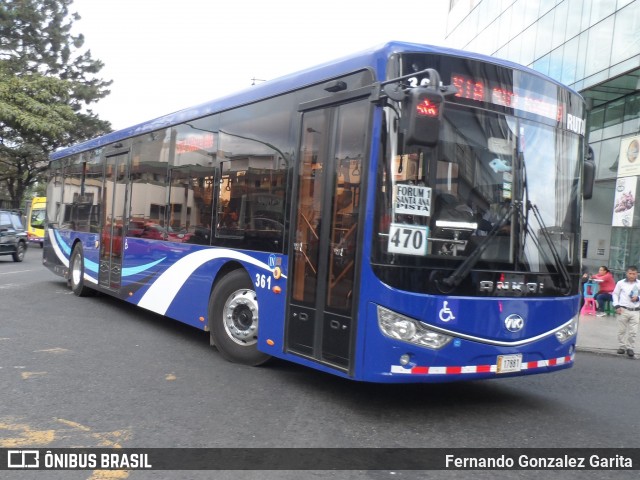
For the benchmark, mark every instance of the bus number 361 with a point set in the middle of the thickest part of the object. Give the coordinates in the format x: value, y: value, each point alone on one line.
x: 408, y: 239
x: 263, y: 281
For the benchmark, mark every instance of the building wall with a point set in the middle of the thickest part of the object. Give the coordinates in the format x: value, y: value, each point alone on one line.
x: 594, y: 47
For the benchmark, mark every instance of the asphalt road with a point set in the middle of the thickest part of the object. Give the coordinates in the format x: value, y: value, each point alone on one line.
x: 95, y: 372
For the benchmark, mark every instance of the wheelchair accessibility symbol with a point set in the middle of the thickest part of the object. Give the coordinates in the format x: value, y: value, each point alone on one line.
x: 446, y: 315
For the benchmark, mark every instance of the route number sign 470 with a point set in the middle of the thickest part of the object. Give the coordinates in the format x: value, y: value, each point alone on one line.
x: 408, y: 239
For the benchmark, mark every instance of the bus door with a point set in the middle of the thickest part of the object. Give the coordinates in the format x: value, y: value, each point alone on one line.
x: 323, y: 271
x: 113, y: 221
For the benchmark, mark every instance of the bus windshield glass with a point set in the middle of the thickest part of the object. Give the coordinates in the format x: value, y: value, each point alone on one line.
x: 37, y: 218
x: 499, y: 192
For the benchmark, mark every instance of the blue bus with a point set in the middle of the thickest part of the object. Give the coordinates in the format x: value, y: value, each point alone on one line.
x: 409, y: 213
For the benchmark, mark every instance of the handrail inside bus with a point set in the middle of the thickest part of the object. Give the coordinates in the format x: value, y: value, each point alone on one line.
x: 313, y: 231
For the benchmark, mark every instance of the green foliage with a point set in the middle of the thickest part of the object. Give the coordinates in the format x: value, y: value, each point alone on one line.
x: 35, y: 104
x: 46, y: 84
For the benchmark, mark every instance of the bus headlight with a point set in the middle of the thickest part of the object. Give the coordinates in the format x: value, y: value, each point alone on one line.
x: 568, y: 331
x: 408, y: 330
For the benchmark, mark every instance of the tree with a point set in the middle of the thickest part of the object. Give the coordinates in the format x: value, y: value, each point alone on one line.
x: 46, y: 84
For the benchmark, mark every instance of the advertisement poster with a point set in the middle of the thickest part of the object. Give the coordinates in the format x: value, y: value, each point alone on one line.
x: 629, y: 159
x: 624, y: 202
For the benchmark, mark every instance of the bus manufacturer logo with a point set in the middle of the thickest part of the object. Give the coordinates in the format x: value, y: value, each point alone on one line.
x: 514, y: 322
x: 518, y: 288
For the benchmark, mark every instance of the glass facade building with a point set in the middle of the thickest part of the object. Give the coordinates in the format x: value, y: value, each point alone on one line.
x: 594, y: 47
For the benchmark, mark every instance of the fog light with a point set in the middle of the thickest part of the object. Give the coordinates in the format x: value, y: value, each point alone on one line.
x: 405, y: 359
x: 408, y: 330
x: 568, y: 331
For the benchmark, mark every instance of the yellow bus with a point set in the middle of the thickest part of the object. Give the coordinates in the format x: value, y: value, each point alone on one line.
x: 35, y: 220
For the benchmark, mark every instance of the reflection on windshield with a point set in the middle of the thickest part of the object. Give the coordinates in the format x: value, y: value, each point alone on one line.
x: 37, y: 218
x: 436, y: 206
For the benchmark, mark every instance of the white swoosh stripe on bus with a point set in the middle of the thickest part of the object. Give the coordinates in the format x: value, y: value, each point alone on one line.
x: 55, y: 243
x: 162, y: 292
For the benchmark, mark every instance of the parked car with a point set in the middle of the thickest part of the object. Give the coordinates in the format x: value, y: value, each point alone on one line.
x: 13, y: 236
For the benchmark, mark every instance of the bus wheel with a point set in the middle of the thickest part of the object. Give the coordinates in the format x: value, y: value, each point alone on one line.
x: 233, y: 319
x: 18, y: 255
x: 76, y: 273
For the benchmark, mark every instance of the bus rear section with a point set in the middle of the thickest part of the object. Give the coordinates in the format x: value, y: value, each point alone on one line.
x: 35, y: 220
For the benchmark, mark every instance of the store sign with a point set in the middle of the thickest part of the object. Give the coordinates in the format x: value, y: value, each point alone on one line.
x: 629, y: 158
x: 624, y: 202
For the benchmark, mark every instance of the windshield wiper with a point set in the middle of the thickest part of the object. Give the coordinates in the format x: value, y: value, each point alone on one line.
x: 465, y: 267
x: 557, y: 261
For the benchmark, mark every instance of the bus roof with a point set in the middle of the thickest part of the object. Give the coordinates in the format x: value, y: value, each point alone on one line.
x: 374, y: 58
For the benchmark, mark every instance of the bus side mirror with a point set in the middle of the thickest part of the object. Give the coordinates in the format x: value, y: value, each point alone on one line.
x: 589, y: 174
x: 424, y: 107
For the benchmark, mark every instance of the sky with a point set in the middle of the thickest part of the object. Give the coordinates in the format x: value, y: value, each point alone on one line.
x: 167, y: 55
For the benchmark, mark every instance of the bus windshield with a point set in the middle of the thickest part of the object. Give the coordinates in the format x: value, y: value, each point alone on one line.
x: 37, y: 217
x: 491, y: 175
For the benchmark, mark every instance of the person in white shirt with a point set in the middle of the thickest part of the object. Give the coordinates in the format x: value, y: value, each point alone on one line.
x: 626, y: 301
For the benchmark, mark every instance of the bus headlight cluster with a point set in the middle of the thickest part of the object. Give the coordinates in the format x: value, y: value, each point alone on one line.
x: 568, y: 331
x: 408, y: 330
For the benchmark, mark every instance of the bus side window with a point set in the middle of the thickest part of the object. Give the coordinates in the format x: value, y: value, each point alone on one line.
x: 253, y: 155
x: 229, y: 202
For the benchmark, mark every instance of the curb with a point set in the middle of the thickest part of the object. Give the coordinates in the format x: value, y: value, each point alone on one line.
x: 602, y: 351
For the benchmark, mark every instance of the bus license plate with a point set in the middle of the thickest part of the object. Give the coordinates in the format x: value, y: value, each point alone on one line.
x: 509, y: 363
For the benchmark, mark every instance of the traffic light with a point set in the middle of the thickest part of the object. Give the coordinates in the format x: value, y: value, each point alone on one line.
x: 423, y: 113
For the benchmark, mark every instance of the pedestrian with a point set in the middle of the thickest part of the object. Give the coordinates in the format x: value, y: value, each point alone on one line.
x: 606, y: 284
x: 627, y: 304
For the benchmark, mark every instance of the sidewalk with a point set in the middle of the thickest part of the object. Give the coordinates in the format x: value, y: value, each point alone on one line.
x: 598, y: 334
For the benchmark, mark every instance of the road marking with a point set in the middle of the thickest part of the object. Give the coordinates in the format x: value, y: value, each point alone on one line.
x: 28, y: 375
x: 106, y: 440
x: 75, y: 425
x: 108, y: 474
x: 23, y: 435
x: 52, y: 350
x: 16, y: 271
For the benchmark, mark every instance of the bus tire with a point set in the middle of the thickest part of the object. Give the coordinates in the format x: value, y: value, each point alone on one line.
x: 18, y: 255
x: 233, y: 320
x: 76, y: 273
